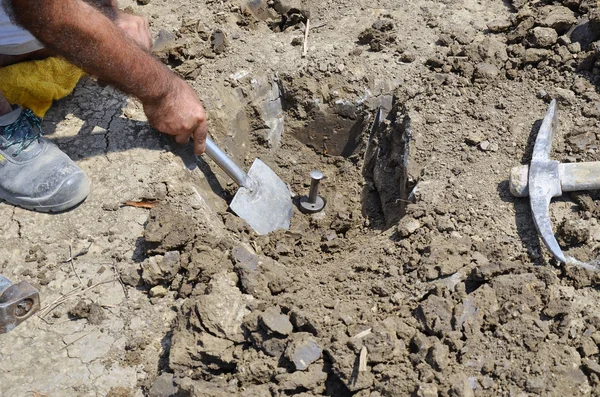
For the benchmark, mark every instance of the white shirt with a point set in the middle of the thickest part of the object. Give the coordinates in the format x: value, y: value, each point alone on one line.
x: 14, y: 40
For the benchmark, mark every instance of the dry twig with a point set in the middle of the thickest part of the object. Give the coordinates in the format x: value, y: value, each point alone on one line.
x: 305, y: 51
x: 118, y: 276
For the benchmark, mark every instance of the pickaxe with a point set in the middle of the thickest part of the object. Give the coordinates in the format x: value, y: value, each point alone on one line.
x: 544, y: 179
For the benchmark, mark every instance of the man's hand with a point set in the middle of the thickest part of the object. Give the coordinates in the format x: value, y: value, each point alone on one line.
x: 85, y: 36
x: 180, y: 113
x: 137, y: 28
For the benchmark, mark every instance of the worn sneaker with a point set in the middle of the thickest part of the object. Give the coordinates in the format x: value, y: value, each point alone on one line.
x: 34, y: 173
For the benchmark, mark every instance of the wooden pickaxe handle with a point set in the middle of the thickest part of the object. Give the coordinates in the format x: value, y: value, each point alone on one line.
x: 573, y: 177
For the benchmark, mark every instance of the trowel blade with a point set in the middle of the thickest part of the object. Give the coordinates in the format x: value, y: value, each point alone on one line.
x: 268, y: 207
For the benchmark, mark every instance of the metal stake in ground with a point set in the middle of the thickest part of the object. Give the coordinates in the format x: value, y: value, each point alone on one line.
x: 313, y: 202
x: 544, y: 179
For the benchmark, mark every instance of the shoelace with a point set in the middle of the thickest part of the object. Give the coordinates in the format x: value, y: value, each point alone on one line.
x: 31, y: 123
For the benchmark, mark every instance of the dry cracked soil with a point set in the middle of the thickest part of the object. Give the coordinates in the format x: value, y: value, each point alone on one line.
x: 422, y: 277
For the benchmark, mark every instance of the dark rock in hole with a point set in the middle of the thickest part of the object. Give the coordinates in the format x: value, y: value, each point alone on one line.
x: 385, y: 170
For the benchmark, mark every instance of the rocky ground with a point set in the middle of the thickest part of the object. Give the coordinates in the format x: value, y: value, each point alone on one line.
x: 422, y: 277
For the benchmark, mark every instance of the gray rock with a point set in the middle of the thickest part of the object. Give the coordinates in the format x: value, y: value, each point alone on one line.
x: 435, y: 313
x: 345, y: 366
x: 408, y: 226
x: 407, y: 57
x: 499, y: 25
x: 558, y: 18
x: 223, y: 309
x: 592, y: 366
x: 485, y: 71
x: 259, y: 275
x: 438, y: 356
x: 427, y: 390
x: 160, y: 269
x: 158, y: 292
x: 303, y: 350
x: 542, y: 37
x: 163, y: 386
x: 536, y: 55
x: 562, y: 95
x: 314, y: 379
x: 474, y: 138
x: 256, y: 391
x: 275, y: 322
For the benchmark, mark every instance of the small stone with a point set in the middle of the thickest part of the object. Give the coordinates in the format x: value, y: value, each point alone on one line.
x: 588, y: 347
x: 487, y: 382
x: 558, y: 18
x: 485, y: 71
x: 303, y: 351
x: 158, y: 292
x: 572, y: 232
x: 499, y: 25
x: 276, y: 322
x: 462, y: 388
x: 407, y: 57
x: 427, y: 390
x: 163, y: 386
x: 484, y: 145
x: 444, y: 224
x: 592, y: 366
x: 408, y: 226
x: 474, y: 138
x: 542, y: 37
x: 574, y: 48
x: 537, y: 55
x: 323, y: 66
x: 438, y: 356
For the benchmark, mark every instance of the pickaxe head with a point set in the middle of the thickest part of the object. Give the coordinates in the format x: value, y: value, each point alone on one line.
x: 541, y: 181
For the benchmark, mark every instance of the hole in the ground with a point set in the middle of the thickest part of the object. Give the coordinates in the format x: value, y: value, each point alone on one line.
x: 341, y: 127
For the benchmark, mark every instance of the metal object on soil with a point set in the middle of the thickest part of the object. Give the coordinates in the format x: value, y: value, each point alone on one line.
x: 18, y: 302
x: 544, y: 179
x: 313, y: 202
x: 263, y: 199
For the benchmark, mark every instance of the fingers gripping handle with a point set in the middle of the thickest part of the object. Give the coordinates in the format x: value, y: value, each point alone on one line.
x: 226, y: 163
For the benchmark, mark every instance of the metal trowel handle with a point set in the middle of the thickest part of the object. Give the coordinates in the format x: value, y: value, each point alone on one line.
x: 226, y: 163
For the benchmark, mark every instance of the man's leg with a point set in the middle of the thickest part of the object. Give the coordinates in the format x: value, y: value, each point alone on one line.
x: 34, y: 173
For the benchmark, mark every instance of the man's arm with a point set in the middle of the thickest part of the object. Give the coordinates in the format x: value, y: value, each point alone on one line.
x: 86, y: 37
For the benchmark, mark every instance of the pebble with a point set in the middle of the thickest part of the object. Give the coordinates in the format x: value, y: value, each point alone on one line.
x: 474, y: 138
x: 303, y: 353
x: 499, y: 25
x: 158, y: 292
x: 408, y: 227
x: 543, y: 37
x: 486, y: 71
x: 592, y: 366
x: 276, y: 322
x: 407, y: 57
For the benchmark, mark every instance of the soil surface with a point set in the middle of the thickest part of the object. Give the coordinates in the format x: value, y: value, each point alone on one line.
x: 422, y: 277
